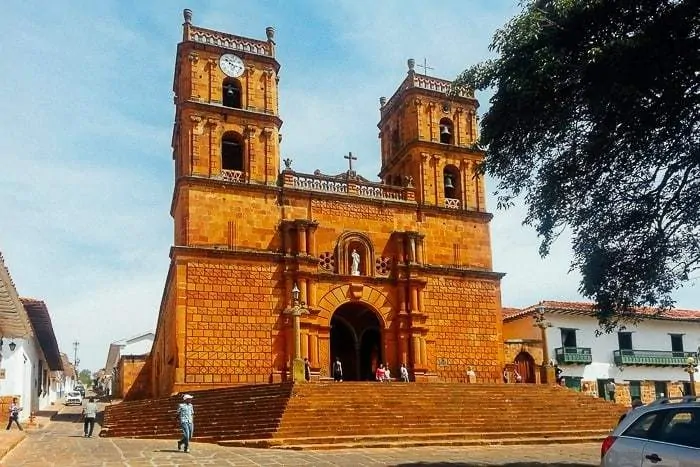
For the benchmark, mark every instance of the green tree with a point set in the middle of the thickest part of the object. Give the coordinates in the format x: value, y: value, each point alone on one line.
x: 594, y: 122
x: 85, y: 377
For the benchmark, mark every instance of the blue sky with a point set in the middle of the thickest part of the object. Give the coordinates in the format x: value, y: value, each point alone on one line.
x: 86, y: 171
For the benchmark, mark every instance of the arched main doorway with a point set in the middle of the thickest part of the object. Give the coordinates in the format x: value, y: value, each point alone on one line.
x: 356, y: 339
x: 525, y: 365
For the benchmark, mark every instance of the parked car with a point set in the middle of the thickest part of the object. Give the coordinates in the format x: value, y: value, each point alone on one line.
x: 81, y: 389
x: 665, y: 432
x: 74, y: 398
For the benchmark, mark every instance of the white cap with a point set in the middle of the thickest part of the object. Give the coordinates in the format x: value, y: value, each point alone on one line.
x: 186, y: 397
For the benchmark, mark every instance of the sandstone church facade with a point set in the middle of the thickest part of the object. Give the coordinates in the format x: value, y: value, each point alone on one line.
x: 395, y: 271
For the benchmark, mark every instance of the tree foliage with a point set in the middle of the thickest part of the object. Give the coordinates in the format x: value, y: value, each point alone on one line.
x: 85, y: 377
x: 594, y: 121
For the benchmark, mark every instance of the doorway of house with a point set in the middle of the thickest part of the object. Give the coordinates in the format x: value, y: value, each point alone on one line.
x: 525, y: 365
x: 356, y: 340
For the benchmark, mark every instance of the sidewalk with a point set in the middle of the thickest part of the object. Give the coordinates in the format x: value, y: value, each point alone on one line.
x: 9, y: 439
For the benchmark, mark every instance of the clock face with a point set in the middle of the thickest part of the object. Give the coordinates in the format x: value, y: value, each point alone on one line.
x: 232, y: 65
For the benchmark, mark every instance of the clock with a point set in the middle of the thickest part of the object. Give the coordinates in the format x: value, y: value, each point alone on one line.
x: 231, y: 65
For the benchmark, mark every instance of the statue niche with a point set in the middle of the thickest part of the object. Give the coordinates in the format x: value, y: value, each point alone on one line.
x: 354, y: 252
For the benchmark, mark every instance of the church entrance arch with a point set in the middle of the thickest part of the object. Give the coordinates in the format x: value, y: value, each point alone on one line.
x: 356, y: 339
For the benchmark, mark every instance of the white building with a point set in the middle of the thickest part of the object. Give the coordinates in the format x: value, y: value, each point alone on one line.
x: 645, y: 360
x: 28, y: 350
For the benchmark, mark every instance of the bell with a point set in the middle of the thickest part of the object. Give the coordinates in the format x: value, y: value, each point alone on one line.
x: 444, y: 130
x: 229, y: 91
x: 448, y: 181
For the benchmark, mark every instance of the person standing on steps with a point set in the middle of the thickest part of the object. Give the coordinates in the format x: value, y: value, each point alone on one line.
x: 185, y: 415
x: 307, y: 369
x: 89, y: 415
x: 403, y: 373
x: 337, y: 370
x: 15, y: 409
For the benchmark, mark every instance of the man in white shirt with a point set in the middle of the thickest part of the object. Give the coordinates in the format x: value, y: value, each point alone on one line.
x: 185, y: 415
x: 89, y: 415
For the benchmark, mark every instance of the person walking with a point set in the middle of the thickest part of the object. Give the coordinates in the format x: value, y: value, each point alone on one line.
x: 15, y: 409
x: 185, y: 415
x: 337, y: 370
x: 89, y: 415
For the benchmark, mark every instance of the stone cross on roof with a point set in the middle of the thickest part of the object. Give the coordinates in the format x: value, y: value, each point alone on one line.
x: 350, y: 158
x: 425, y: 66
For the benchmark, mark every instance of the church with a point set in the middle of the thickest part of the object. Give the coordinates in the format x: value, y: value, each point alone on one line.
x: 270, y: 265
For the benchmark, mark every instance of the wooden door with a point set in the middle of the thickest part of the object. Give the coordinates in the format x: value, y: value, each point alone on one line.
x: 525, y: 365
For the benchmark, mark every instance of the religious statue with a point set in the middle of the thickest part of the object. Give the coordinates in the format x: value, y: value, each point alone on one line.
x: 355, y: 270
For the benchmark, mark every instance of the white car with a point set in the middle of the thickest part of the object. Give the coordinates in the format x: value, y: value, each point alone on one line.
x: 665, y: 432
x: 74, y: 397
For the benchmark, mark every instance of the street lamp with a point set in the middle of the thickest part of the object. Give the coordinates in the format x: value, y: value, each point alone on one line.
x: 542, y: 323
x: 297, y: 309
x: 691, y: 367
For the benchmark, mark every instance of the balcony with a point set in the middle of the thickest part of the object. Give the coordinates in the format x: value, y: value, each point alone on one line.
x: 573, y: 355
x: 652, y: 357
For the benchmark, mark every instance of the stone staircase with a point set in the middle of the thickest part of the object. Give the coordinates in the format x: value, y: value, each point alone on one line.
x: 348, y: 414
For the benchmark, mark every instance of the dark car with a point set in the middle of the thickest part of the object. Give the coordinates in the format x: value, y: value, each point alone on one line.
x: 81, y: 389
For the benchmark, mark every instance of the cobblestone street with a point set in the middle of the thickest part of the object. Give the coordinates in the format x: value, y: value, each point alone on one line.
x: 61, y: 444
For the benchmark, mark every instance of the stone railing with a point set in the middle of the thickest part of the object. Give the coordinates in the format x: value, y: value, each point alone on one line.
x: 229, y: 41
x: 308, y: 182
x: 237, y: 176
x: 452, y: 203
x: 349, y: 185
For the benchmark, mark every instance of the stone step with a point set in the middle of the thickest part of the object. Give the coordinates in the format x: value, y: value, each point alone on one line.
x: 439, y: 439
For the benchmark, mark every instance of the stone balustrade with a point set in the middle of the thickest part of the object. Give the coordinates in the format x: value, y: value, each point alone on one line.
x: 346, y: 185
x: 452, y: 203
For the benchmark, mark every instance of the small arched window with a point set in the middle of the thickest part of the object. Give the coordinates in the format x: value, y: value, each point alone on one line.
x: 453, y: 191
x: 232, y: 152
x: 447, y: 131
x: 231, y: 93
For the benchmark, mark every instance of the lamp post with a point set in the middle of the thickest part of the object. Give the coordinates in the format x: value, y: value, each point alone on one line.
x: 542, y: 323
x: 691, y: 367
x: 297, y: 309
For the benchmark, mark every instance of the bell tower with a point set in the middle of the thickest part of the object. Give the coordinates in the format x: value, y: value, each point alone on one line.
x: 428, y: 138
x: 227, y: 122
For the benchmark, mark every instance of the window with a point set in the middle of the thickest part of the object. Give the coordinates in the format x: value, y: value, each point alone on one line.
x: 446, y: 131
x: 568, y: 337
x: 231, y: 93
x: 677, y: 344
x: 635, y: 390
x: 682, y: 427
x: 661, y: 389
x: 642, y: 428
x: 624, y: 340
x: 573, y: 382
x: 231, y: 152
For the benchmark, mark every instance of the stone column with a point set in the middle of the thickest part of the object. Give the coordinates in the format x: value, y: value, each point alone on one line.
x: 423, y: 352
x: 305, y: 344
x: 419, y: 249
x: 414, y: 300
x: 415, y: 344
x: 313, y: 350
x: 311, y: 239
x: 311, y: 288
x: 303, y: 295
x: 286, y: 231
x: 301, y: 229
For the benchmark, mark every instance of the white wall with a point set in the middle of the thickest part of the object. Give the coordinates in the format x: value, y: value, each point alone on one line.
x: 21, y: 366
x: 647, y: 335
x: 140, y: 347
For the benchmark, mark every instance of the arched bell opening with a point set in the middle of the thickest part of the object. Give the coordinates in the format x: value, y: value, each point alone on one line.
x: 452, y: 186
x: 231, y: 93
x: 447, y: 131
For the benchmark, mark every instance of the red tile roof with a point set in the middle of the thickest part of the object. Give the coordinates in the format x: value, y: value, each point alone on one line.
x: 587, y: 308
x: 41, y: 322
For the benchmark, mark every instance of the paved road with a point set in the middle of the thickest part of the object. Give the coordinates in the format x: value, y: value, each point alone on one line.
x: 61, y: 444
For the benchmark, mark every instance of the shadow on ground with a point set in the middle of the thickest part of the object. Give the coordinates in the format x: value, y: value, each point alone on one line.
x: 482, y: 464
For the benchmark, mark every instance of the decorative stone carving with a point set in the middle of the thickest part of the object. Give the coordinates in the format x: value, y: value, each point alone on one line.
x: 287, y: 164
x: 327, y: 261
x: 383, y: 266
